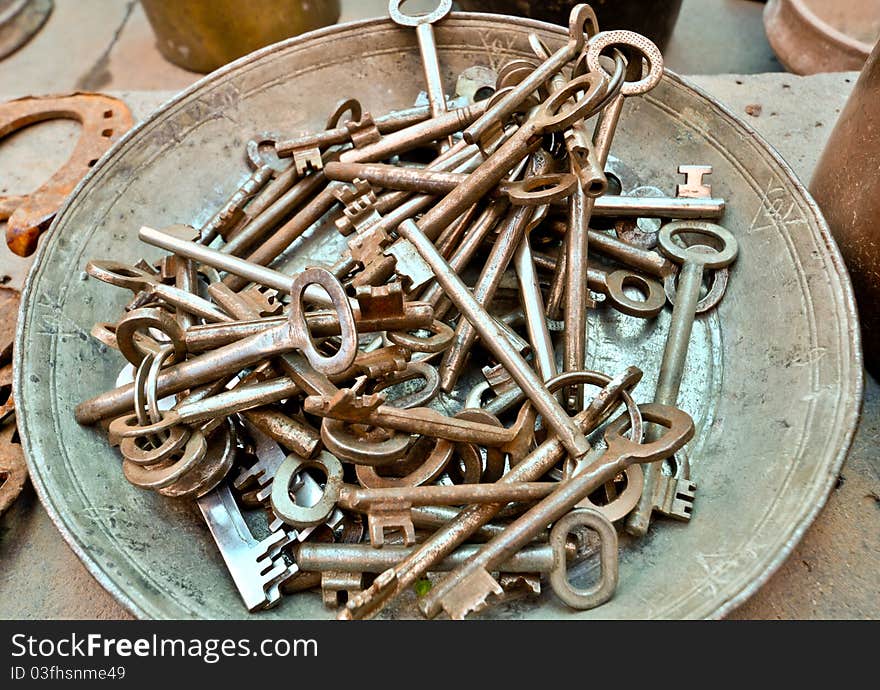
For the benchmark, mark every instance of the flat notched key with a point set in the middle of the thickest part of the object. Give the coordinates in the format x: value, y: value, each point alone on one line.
x: 256, y: 567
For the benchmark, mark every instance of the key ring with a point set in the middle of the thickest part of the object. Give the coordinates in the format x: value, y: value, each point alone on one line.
x: 133, y: 449
x: 130, y: 339
x: 210, y: 469
x: 152, y: 477
x: 577, y: 597
x: 432, y: 467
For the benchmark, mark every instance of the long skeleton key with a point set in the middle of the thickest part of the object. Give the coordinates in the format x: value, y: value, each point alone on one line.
x: 293, y: 335
x: 694, y: 259
x: 494, y: 339
x: 581, y: 23
x: 577, y: 295
x: 454, y: 532
x: 255, y: 566
x: 427, y: 46
x: 436, y: 182
x: 346, y: 406
x: 238, y: 399
x: 503, y: 249
x: 510, y: 237
x: 362, y: 558
x: 552, y: 558
x: 466, y: 588
x: 336, y: 134
x: 136, y: 280
x: 174, y: 239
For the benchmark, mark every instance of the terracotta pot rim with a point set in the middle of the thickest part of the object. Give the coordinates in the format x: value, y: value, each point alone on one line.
x: 824, y: 27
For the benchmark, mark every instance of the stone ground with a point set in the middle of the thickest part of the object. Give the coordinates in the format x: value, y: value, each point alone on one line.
x: 833, y: 571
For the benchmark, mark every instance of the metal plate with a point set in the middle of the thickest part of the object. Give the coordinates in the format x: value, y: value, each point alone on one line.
x: 775, y: 380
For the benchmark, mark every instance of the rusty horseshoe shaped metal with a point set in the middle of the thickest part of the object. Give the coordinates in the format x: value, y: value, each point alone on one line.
x: 103, y: 121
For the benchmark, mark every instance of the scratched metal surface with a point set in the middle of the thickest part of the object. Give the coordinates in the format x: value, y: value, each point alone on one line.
x: 774, y: 380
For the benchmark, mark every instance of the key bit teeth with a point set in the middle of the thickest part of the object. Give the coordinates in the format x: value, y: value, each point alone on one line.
x: 367, y: 603
x: 307, y: 160
x: 468, y: 596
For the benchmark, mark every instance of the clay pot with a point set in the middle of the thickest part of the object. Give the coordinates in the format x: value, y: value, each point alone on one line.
x: 846, y: 184
x: 656, y: 23
x: 813, y: 36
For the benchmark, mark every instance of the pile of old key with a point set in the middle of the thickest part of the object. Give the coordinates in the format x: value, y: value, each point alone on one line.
x: 432, y: 376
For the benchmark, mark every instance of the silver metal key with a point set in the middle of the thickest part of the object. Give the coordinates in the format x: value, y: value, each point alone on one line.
x: 256, y: 567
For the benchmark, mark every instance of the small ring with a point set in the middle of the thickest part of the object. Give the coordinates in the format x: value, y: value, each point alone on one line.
x: 720, y: 278
x: 582, y: 24
x: 178, y: 436
x: 428, y: 471
x: 655, y: 297
x: 601, y: 592
x: 214, y: 465
x: 299, y: 516
x: 258, y: 158
x: 151, y: 385
x: 494, y: 468
x: 558, y: 112
x: 341, y: 441
x: 419, y: 398
x: 679, y: 429
x: 621, y: 506
x: 150, y: 477
x: 121, y: 275
x: 438, y: 342
x: 141, y: 319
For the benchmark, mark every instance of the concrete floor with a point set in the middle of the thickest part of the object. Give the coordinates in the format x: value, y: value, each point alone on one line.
x: 831, y: 574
